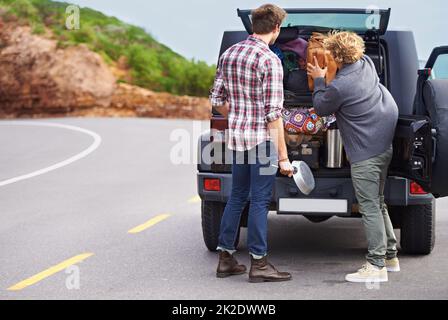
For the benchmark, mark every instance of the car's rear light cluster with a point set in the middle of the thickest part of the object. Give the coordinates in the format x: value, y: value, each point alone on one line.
x: 212, y: 184
x: 425, y: 72
x: 415, y: 188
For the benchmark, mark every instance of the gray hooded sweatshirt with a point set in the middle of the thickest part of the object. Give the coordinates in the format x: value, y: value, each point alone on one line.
x: 365, y: 110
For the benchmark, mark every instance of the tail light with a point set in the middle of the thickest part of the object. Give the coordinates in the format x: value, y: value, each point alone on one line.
x: 212, y: 184
x: 415, y: 188
x: 425, y: 72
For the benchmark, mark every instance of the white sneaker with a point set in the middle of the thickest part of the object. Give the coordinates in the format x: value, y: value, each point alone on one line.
x: 393, y: 265
x: 368, y: 273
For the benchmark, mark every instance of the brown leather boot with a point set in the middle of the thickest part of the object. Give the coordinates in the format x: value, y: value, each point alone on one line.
x: 262, y: 271
x: 228, y: 266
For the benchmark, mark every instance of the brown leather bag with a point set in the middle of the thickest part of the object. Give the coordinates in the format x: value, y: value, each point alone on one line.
x: 324, y: 58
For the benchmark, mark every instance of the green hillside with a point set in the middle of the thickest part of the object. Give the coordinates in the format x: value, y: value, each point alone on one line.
x: 152, y: 65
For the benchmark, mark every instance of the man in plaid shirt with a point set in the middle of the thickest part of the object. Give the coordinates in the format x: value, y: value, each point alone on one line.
x: 250, y: 79
x: 248, y: 90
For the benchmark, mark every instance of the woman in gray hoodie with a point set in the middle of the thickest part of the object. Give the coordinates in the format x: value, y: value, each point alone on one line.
x: 366, y: 115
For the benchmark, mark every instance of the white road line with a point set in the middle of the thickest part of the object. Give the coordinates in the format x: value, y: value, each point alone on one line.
x: 96, y: 143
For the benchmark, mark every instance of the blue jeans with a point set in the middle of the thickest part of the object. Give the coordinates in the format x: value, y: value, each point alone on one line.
x: 252, y: 177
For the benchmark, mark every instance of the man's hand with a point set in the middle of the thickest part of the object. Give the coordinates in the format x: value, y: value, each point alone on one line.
x: 286, y: 168
x: 315, y: 71
x: 223, y: 109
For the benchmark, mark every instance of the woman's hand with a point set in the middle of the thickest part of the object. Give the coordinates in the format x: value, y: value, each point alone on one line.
x: 315, y: 71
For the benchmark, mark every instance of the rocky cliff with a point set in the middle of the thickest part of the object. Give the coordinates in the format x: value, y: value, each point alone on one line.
x: 38, y: 78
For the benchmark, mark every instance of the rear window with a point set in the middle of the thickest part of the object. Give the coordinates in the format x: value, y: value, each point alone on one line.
x: 357, y: 20
x: 344, y: 21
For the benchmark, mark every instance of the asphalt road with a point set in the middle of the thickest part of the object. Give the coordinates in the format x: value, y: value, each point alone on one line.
x: 89, y: 206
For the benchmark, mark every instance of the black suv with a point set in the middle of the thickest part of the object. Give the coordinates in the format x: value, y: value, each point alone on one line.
x: 419, y: 170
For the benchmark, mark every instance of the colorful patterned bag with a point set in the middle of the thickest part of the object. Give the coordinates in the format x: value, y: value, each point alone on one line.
x: 304, y: 120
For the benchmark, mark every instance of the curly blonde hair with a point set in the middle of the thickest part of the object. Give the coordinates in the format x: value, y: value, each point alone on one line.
x: 345, y: 47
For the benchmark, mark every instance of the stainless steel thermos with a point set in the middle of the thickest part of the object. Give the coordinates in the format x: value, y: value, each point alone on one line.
x: 334, y: 147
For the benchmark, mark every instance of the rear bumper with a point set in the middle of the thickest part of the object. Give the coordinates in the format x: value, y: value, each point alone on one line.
x: 396, y: 192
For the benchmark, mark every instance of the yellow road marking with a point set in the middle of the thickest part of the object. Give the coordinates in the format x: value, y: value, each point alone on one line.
x: 194, y: 199
x: 149, y: 223
x: 50, y: 271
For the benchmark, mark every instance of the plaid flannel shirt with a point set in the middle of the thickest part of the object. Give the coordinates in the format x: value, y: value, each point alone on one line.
x: 250, y: 78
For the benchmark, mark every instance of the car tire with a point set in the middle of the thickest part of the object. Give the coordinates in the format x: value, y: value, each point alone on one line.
x: 418, y: 229
x: 211, y: 212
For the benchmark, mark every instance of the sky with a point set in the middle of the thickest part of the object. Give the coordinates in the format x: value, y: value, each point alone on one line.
x: 194, y: 28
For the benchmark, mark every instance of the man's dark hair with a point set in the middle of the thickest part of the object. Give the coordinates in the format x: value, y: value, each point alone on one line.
x: 266, y: 18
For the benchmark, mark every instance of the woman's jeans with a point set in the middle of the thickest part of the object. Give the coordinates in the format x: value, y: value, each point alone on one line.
x: 252, y: 177
x: 369, y: 177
